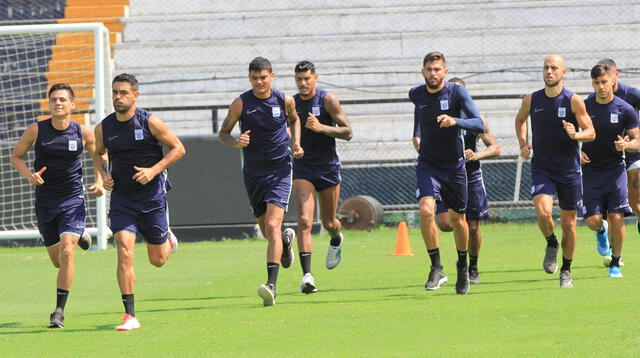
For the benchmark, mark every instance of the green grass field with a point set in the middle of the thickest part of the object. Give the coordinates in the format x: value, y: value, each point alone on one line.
x: 204, y: 303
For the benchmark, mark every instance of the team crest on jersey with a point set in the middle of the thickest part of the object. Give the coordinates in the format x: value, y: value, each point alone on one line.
x: 444, y: 104
x: 138, y: 134
x: 614, y: 117
x: 562, y: 112
x: 275, y: 111
x: 315, y: 111
x: 73, y: 145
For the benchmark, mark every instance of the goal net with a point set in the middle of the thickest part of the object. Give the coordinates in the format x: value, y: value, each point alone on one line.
x: 32, y: 59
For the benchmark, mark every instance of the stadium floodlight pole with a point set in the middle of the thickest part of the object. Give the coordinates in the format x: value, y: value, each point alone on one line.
x: 102, y: 73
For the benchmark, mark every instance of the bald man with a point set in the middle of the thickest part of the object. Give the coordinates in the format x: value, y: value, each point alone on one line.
x: 559, y: 120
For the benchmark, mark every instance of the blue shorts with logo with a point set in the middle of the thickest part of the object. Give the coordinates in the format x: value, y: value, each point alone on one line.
x: 477, y: 205
x: 149, y: 218
x: 448, y: 186
x: 321, y: 178
x: 274, y: 188
x: 605, y: 191
x: 567, y: 188
x: 55, y: 221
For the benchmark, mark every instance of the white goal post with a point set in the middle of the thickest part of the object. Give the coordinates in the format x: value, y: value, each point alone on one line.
x: 32, y: 58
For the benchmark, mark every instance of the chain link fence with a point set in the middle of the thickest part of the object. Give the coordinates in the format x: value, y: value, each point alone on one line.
x: 194, y: 56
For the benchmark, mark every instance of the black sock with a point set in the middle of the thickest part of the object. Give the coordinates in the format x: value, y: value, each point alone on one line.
x: 305, y: 262
x: 552, y: 241
x: 473, y: 262
x: 128, y: 302
x: 335, y: 240
x: 462, y: 259
x: 272, y: 273
x: 566, y: 264
x: 615, y: 261
x: 434, y: 255
x: 61, y: 298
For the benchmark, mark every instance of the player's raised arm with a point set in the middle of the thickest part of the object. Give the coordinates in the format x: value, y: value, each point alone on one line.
x: 416, y: 131
x: 176, y: 151
x: 473, y: 121
x: 587, y: 132
x: 333, y: 107
x: 631, y: 141
x: 492, y: 148
x: 294, y: 125
x: 89, y: 143
x: 224, y: 135
x: 522, y: 133
x: 100, y: 159
x: 20, y: 150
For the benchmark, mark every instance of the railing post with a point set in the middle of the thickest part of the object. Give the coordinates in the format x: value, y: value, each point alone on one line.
x: 214, y: 120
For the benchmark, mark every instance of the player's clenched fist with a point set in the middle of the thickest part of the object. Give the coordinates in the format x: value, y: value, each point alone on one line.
x: 570, y: 129
x: 243, y: 139
x: 525, y: 151
x: 36, y: 178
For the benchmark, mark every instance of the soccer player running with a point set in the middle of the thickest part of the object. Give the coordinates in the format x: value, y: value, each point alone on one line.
x: 322, y: 120
x: 57, y: 176
x: 477, y: 206
x: 630, y: 95
x: 263, y: 113
x: 136, y: 175
x: 555, y: 113
x: 603, y: 176
x: 440, y: 172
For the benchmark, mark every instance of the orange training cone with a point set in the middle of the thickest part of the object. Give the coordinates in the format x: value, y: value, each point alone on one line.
x: 402, y: 242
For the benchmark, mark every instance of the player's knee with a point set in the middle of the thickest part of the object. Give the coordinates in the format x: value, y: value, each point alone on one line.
x: 568, y: 223
x: 271, y: 227
x: 545, y: 217
x: 427, y: 212
x: 592, y: 222
x: 331, y: 224
x: 157, y: 261
x: 125, y: 256
x: 66, y: 254
x: 304, y: 226
x: 616, y: 220
x: 474, y: 226
x: 443, y: 223
x: 457, y: 220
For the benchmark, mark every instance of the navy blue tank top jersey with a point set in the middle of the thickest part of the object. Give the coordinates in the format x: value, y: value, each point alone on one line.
x: 473, y: 167
x: 61, y: 152
x: 443, y: 147
x: 553, y: 150
x: 130, y: 144
x: 630, y: 95
x: 319, y: 149
x: 609, y: 120
x: 269, y: 142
